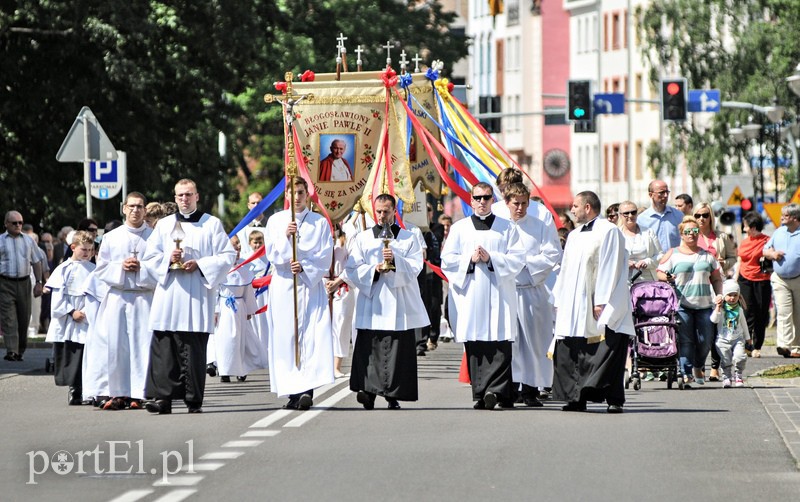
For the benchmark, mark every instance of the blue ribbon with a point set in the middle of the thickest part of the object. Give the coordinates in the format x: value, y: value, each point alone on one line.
x: 432, y: 74
x: 405, y: 80
x: 261, y: 207
x: 230, y: 302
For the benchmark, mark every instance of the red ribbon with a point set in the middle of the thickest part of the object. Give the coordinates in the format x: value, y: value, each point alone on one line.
x: 312, y: 190
x: 280, y: 86
x: 262, y: 309
x: 307, y: 76
x: 258, y: 254
x: 436, y: 270
x: 262, y: 281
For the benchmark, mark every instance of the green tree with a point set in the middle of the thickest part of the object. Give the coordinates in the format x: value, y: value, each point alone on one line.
x: 745, y: 49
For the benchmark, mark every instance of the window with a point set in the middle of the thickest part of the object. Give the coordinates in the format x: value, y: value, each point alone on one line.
x: 639, y: 160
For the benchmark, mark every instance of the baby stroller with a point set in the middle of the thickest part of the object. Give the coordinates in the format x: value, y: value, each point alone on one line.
x: 655, y: 347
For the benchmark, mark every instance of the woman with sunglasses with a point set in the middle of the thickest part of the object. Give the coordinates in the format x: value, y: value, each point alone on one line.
x: 721, y: 247
x: 642, y: 245
x: 695, y: 273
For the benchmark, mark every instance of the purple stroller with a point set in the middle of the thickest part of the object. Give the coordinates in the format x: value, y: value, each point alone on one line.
x: 655, y: 345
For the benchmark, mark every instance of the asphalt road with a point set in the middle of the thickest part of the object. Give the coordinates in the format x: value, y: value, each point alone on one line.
x: 705, y: 444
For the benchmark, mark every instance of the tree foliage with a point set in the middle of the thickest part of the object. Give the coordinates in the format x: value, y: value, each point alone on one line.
x: 163, y: 78
x: 745, y: 49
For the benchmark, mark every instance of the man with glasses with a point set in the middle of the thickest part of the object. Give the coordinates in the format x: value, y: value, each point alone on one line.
x: 783, y: 248
x: 117, y: 354
x: 189, y: 254
x: 661, y: 218
x: 18, y: 255
x: 481, y: 260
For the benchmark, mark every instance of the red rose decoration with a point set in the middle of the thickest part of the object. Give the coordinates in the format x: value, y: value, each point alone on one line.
x: 450, y: 87
x: 280, y: 86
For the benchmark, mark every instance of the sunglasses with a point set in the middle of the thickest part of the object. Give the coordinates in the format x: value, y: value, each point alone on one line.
x: 702, y: 215
x: 691, y: 231
x: 15, y: 223
x: 629, y: 213
x: 482, y: 197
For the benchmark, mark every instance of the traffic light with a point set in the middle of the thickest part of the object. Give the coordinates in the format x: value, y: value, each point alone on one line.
x: 673, y: 99
x: 579, y: 100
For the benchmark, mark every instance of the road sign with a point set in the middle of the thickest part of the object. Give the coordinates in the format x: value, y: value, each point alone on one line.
x: 736, y: 197
x: 795, y: 197
x: 74, y: 148
x: 704, y: 100
x: 613, y: 103
x: 107, y: 177
x: 773, y: 210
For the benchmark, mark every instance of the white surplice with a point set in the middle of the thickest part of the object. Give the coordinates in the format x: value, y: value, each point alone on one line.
x: 234, y: 335
x: 259, y: 346
x: 343, y: 306
x: 530, y: 364
x: 118, y: 351
x: 594, y: 271
x: 482, y: 303
x: 314, y: 252
x: 184, y: 301
x: 67, y: 284
x: 393, y: 301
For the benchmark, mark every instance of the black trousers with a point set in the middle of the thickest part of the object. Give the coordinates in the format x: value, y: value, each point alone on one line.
x: 489, y: 365
x: 591, y: 371
x: 68, y: 364
x: 177, y: 368
x: 15, y: 313
x: 757, y: 295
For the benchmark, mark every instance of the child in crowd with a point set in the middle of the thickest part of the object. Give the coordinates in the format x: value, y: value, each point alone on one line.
x: 732, y: 333
x: 71, y: 310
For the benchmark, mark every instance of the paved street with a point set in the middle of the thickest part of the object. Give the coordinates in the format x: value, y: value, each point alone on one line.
x: 707, y: 444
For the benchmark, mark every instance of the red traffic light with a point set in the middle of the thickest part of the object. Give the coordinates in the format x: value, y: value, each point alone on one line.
x: 673, y: 88
x: 746, y: 205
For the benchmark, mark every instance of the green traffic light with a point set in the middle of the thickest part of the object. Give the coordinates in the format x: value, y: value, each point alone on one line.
x: 579, y: 112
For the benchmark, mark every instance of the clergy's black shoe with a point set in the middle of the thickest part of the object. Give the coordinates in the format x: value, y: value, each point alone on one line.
x: 211, y: 369
x: 9, y: 356
x: 74, y: 396
x: 291, y: 405
x: 614, y: 408
x: 393, y: 404
x: 100, y: 401
x: 304, y: 402
x: 421, y: 353
x: 195, y: 407
x: 18, y: 357
x: 574, y: 406
x: 241, y: 378
x: 160, y: 406
x: 532, y: 402
x: 490, y: 400
x: 479, y: 405
x: 366, y: 399
x: 225, y: 379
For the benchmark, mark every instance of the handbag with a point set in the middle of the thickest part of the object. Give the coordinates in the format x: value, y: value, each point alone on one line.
x: 766, y: 265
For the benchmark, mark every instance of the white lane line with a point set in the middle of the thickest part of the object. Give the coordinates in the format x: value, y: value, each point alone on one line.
x: 222, y: 455
x: 179, y: 481
x: 259, y: 434
x: 242, y: 443
x: 204, y: 466
x: 132, y: 496
x: 271, y: 418
x: 176, y: 495
x: 324, y: 405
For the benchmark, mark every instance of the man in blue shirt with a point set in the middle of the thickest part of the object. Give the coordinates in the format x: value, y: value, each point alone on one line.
x: 661, y: 218
x: 783, y: 248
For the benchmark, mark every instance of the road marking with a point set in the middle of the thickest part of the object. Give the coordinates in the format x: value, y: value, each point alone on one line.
x: 222, y: 455
x: 176, y: 495
x: 242, y: 443
x: 132, y: 496
x: 205, y: 466
x: 179, y: 481
x: 259, y: 434
x: 271, y: 418
x: 324, y: 405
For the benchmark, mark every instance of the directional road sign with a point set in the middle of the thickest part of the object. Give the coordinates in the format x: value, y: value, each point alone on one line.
x: 609, y: 103
x: 704, y: 100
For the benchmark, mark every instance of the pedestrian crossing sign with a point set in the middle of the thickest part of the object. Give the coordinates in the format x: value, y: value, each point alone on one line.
x: 736, y: 197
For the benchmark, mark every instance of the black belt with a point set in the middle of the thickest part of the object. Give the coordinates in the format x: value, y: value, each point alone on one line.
x: 17, y: 279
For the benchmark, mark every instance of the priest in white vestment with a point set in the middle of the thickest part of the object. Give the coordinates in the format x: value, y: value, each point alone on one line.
x: 530, y: 366
x: 288, y: 376
x: 182, y: 313
x: 481, y: 260
x: 388, y: 309
x: 594, y: 319
x: 118, y: 352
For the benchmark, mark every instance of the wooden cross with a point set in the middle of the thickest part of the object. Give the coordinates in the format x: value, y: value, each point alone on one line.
x: 416, y: 60
x: 388, y: 48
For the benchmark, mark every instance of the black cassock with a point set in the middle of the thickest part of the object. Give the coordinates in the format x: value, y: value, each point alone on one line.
x: 385, y: 364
